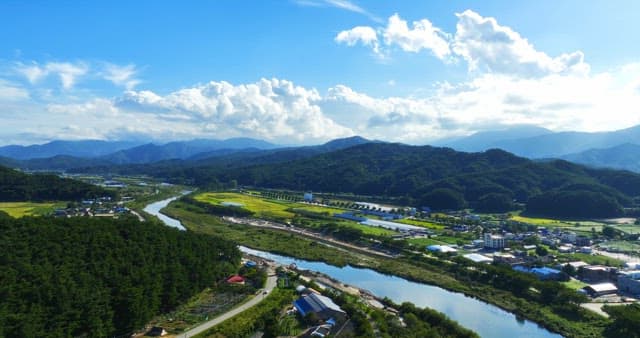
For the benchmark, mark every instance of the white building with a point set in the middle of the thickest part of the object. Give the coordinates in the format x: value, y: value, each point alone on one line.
x: 494, y: 241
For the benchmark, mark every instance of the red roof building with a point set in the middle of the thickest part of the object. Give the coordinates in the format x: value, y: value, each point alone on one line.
x: 236, y: 279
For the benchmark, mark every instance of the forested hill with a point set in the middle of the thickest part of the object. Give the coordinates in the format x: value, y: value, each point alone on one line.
x: 17, y: 186
x: 90, y: 277
x: 445, y: 179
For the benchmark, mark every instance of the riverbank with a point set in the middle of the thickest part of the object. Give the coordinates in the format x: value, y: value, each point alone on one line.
x: 408, y: 268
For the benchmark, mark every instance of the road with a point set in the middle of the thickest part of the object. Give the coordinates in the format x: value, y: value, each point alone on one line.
x: 270, y: 285
x: 305, y: 233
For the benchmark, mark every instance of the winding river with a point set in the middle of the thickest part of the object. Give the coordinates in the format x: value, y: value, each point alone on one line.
x: 487, y: 320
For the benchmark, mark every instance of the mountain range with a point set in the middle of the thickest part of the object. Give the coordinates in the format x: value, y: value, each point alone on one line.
x: 615, y: 149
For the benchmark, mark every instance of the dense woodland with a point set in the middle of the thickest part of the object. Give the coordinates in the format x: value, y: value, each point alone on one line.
x: 100, y: 278
x: 493, y: 181
x: 16, y: 186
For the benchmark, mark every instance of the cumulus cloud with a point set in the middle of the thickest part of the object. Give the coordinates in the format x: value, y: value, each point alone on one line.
x: 488, y: 46
x: 270, y: 108
x: 423, y: 35
x: 482, y: 42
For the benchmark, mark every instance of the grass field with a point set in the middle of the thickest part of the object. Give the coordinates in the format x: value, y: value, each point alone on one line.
x: 19, y: 209
x: 575, y: 284
x: 621, y: 246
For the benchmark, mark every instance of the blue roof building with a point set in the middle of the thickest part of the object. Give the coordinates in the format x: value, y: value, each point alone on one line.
x: 322, y: 306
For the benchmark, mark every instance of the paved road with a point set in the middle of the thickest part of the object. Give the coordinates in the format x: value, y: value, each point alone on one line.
x: 305, y: 233
x: 270, y: 285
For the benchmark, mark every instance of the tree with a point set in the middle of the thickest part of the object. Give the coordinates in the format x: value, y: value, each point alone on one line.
x: 443, y: 199
x: 541, y: 251
x: 609, y: 231
x: 626, y: 321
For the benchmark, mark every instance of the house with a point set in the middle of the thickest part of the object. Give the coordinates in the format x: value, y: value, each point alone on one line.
x: 441, y: 249
x: 477, y: 258
x: 157, y: 331
x: 583, y: 241
x: 568, y: 237
x: 629, y: 281
x: 545, y: 273
x: 595, y: 273
x: 236, y: 280
x: 322, y: 306
x: 506, y: 258
x: 597, y: 290
x: 577, y: 265
x: 308, y: 197
x: 494, y: 241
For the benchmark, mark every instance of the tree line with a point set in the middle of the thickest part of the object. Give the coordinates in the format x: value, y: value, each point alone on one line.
x: 17, y: 186
x: 70, y: 277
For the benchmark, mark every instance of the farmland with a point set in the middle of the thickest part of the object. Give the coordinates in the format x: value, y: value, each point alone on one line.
x: 20, y: 209
x: 287, y: 210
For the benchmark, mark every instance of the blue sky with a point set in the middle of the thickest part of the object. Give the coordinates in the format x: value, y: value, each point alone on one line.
x: 305, y: 71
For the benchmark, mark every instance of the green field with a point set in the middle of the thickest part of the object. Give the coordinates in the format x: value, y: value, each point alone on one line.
x: 261, y: 207
x: 575, y: 284
x: 625, y: 246
x: 19, y: 209
x: 284, y: 210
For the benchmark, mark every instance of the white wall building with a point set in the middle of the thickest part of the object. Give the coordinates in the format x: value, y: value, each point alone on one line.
x: 494, y: 241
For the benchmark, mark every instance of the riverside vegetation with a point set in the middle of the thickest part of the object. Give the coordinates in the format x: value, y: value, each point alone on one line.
x: 549, y: 303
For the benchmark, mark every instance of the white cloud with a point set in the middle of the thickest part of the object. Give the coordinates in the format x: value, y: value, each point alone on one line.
x: 67, y: 72
x: 341, y: 4
x: 364, y: 34
x: 122, y: 75
x: 423, y: 35
x: 270, y: 108
x: 482, y: 42
x: 12, y: 92
x: 488, y: 46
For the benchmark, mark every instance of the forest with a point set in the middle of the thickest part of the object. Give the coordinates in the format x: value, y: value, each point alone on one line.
x: 70, y: 277
x: 16, y: 186
x: 441, y: 178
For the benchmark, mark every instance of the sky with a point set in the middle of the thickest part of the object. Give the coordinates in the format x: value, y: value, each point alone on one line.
x: 307, y: 71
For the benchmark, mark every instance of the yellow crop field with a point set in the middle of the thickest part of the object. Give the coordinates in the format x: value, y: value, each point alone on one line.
x: 261, y: 207
x: 19, y: 209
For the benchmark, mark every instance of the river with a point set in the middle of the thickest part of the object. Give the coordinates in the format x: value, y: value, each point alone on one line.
x: 487, y: 320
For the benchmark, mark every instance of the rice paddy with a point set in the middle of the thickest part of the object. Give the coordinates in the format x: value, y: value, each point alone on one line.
x: 20, y: 209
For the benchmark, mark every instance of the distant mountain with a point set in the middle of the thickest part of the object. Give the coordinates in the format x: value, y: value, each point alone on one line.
x: 256, y: 156
x: 149, y: 153
x: 625, y: 156
x: 485, y: 140
x: 86, y: 148
x: 554, y: 144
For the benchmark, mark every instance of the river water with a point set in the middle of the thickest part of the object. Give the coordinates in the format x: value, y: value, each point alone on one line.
x: 487, y: 320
